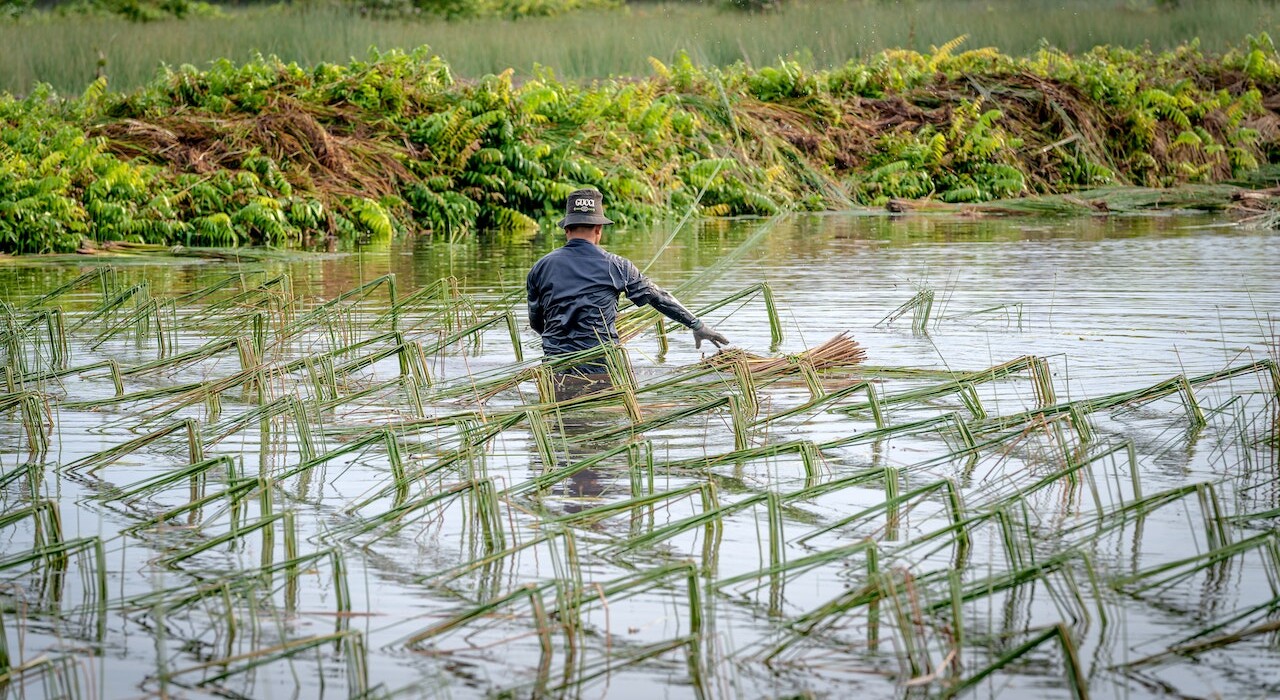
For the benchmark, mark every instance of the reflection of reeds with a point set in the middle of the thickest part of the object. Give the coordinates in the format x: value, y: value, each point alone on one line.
x: 833, y: 540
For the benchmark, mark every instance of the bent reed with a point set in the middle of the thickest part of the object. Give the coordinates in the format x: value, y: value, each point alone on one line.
x: 300, y: 488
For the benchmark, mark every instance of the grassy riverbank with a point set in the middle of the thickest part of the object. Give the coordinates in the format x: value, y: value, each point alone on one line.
x: 269, y: 152
x: 68, y: 52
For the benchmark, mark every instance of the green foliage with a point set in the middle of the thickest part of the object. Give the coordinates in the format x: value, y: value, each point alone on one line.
x: 272, y: 152
x: 1258, y: 61
x: 132, y: 10
x: 470, y: 9
x: 15, y: 8
x: 972, y: 161
x: 788, y: 80
x: 754, y: 5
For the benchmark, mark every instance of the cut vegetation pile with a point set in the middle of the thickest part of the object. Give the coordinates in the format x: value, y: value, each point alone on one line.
x: 268, y: 152
x: 236, y: 487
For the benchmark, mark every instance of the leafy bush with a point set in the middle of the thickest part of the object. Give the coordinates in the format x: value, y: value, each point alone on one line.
x: 755, y: 5
x: 269, y: 152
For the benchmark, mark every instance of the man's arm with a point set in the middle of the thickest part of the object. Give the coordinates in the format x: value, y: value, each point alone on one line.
x: 668, y: 306
x: 535, y: 308
x: 641, y: 290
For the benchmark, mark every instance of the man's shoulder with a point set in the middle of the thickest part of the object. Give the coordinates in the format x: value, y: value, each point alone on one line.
x: 542, y: 261
x: 618, y: 260
x: 535, y: 270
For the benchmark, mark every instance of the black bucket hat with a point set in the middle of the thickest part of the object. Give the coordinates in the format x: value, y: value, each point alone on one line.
x: 584, y: 207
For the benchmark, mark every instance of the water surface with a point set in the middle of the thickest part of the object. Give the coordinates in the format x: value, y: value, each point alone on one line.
x: 1110, y: 304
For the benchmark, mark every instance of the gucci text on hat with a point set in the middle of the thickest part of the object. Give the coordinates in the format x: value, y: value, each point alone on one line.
x: 584, y: 207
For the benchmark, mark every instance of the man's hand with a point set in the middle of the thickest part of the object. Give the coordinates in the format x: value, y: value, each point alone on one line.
x: 703, y: 332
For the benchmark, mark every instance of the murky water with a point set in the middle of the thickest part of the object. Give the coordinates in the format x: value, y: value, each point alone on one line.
x: 324, y: 579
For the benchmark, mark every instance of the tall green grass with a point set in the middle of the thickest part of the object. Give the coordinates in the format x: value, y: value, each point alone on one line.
x: 67, y: 51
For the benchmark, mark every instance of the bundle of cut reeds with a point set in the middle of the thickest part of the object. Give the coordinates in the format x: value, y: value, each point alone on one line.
x: 840, y: 351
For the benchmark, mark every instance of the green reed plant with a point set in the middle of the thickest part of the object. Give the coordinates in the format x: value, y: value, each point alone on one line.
x: 245, y: 663
x: 354, y: 296
x: 59, y: 674
x: 177, y: 598
x: 507, y: 320
x: 231, y: 497
x: 36, y: 421
x: 264, y: 526
x: 49, y: 347
x: 109, y: 306
x: 103, y: 276
x: 53, y: 557
x: 920, y: 306
x: 955, y: 555
x: 958, y: 387
x: 1077, y: 682
x: 892, y: 504
x: 194, y: 474
x: 31, y: 471
x: 1205, y: 645
x: 274, y: 292
x: 715, y: 516
x: 1084, y: 468
x: 385, y: 437
x: 1176, y: 572
x: 396, y: 519
x: 195, y: 446
x: 1182, y: 386
x: 44, y: 519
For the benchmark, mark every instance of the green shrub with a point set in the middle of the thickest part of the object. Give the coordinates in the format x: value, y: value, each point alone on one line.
x: 272, y: 152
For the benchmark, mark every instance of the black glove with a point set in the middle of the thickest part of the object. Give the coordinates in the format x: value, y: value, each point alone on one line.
x: 703, y: 332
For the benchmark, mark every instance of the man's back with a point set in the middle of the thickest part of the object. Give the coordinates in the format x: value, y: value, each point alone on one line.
x: 573, y: 296
x: 573, y: 291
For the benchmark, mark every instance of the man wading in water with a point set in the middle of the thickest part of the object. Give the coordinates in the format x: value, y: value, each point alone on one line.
x: 573, y: 295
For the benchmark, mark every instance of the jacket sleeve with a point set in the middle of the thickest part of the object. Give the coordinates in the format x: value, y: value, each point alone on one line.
x: 641, y: 290
x: 535, y: 307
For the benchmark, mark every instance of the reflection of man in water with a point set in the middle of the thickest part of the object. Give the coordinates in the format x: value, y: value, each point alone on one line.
x: 573, y: 295
x: 584, y: 487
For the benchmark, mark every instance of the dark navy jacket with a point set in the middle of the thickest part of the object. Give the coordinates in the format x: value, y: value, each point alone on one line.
x: 573, y: 296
